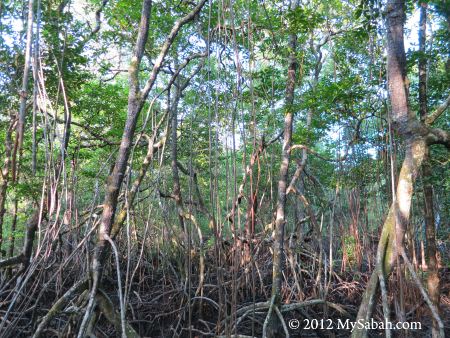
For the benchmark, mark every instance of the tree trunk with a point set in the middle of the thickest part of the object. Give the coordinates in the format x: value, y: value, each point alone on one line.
x: 417, y: 136
x: 23, y: 92
x: 433, y: 271
x: 280, y: 221
x: 136, y: 100
x: 115, y: 179
x: 5, y: 177
x: 176, y: 176
x: 388, y: 246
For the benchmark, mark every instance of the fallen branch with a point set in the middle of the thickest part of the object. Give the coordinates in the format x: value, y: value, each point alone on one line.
x: 59, y: 305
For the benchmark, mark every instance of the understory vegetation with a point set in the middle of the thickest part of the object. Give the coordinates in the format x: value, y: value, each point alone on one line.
x: 224, y: 168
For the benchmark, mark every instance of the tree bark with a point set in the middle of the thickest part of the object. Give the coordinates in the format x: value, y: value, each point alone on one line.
x: 23, y: 92
x: 417, y: 136
x: 136, y: 101
x: 5, y: 177
x: 174, y: 139
x: 115, y: 179
x: 280, y: 220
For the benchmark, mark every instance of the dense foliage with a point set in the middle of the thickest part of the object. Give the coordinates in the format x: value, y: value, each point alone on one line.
x: 199, y: 214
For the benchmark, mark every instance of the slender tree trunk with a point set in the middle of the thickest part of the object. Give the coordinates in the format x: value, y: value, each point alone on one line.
x: 280, y: 220
x: 136, y: 101
x: 23, y: 92
x: 20, y: 125
x: 12, y: 236
x: 422, y: 252
x: 115, y: 179
x: 433, y: 276
x: 175, y: 173
x: 5, y: 177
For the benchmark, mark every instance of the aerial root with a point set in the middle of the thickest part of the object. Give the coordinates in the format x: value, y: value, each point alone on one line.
x: 424, y: 293
x: 270, y: 306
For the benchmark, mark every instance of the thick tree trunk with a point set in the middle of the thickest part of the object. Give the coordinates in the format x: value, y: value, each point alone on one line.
x: 417, y: 137
x: 388, y: 246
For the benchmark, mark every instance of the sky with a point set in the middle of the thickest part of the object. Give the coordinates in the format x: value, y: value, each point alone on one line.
x: 78, y: 9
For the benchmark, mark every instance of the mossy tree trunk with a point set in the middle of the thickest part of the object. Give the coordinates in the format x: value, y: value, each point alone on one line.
x: 417, y: 137
x: 137, y: 97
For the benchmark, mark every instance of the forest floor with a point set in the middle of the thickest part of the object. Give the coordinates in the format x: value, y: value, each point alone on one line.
x: 232, y: 297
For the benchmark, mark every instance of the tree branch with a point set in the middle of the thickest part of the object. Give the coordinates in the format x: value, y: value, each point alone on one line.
x: 165, y: 49
x: 438, y: 112
x: 438, y: 136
